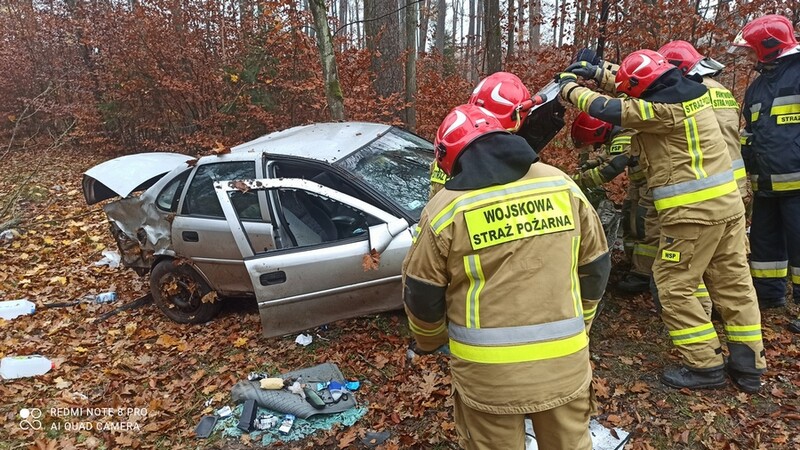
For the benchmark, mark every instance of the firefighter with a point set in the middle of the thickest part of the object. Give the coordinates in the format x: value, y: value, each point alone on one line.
x: 771, y: 150
x: 589, y: 66
x: 508, y: 265
x: 505, y: 97
x: 700, y: 213
x: 619, y: 151
x: 703, y: 70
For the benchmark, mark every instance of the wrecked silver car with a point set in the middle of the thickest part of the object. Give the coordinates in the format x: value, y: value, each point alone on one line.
x: 317, y: 233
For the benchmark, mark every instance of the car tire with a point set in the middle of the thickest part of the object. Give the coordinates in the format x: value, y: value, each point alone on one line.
x: 178, y: 291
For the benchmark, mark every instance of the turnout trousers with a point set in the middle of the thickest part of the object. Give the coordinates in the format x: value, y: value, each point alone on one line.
x: 775, y: 246
x: 564, y: 427
x: 688, y: 254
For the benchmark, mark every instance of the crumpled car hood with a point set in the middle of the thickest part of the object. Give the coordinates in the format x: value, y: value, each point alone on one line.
x: 119, y: 177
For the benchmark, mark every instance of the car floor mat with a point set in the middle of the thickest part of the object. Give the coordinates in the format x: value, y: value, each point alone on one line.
x: 205, y: 427
x: 288, y: 403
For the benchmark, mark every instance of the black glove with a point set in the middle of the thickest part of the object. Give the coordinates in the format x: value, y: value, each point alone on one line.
x: 588, y: 55
x: 585, y: 70
x: 564, y: 78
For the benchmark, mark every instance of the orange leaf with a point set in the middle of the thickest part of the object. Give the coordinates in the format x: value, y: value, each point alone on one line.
x: 371, y: 261
x: 220, y: 149
x: 347, y: 438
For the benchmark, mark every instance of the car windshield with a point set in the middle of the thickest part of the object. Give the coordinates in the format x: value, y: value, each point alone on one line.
x: 398, y: 166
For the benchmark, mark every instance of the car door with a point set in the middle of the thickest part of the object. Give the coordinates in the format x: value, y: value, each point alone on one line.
x: 320, y: 275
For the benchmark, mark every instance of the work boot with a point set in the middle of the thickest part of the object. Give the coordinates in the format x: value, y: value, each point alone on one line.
x: 684, y: 377
x: 746, y: 382
x: 634, y: 283
x: 741, y: 367
x: 769, y: 303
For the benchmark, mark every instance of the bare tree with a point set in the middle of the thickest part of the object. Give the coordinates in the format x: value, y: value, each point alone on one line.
x: 411, y: 64
x: 439, y: 32
x: 330, y: 73
x: 534, y: 24
x: 382, y: 31
x: 510, y: 32
x: 491, y: 25
x: 471, y: 44
x: 424, y: 20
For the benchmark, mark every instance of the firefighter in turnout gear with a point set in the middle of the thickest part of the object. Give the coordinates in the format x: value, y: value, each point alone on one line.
x: 508, y: 265
x: 771, y: 150
x: 502, y: 95
x: 701, y: 215
x: 619, y: 151
x: 647, y: 228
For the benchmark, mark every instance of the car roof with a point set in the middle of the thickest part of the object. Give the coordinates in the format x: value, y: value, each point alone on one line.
x: 329, y: 141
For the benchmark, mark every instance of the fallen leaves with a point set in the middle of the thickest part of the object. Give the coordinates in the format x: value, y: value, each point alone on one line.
x: 371, y: 261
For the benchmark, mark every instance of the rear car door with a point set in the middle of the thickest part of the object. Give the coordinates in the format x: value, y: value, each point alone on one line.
x: 341, y: 256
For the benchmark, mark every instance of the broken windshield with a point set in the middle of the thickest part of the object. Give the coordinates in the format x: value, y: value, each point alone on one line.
x: 397, y: 165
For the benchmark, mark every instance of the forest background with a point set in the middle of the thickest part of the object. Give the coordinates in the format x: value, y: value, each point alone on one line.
x: 86, y: 80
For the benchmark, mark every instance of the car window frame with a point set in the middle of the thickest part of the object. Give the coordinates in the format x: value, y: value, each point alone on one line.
x: 262, y: 200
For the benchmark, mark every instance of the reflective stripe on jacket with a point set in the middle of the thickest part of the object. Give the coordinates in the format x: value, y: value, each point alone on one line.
x: 686, y: 159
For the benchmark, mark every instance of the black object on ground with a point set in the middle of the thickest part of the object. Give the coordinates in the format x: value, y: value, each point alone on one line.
x: 373, y: 439
x: 141, y: 301
x: 205, y: 427
x: 248, y: 416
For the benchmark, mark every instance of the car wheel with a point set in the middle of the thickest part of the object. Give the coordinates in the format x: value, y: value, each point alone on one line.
x: 179, y: 291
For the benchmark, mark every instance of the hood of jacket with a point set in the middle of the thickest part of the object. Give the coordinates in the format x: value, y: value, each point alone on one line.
x: 492, y: 160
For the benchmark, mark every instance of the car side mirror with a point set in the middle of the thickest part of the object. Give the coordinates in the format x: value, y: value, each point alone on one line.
x: 380, y: 236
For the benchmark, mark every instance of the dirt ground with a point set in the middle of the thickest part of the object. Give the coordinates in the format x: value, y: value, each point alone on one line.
x: 149, y: 380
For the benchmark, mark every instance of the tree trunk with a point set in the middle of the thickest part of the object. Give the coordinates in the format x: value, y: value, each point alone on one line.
x: 491, y: 25
x: 534, y: 24
x: 330, y: 73
x: 438, y: 33
x: 605, y: 7
x: 520, y: 23
x: 562, y: 21
x: 424, y: 20
x: 411, y: 64
x: 343, y: 21
x: 382, y: 31
x: 510, y: 34
x: 471, y: 53
x: 555, y: 22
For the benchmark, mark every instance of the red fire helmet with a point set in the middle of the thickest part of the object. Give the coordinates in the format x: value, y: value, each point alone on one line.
x: 505, y: 96
x: 681, y: 54
x: 639, y: 70
x: 462, y: 125
x: 587, y: 130
x: 770, y: 36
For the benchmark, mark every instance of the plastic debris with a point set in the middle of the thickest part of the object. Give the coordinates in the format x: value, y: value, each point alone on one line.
x: 304, y: 339
x: 297, y: 388
x: 255, y: 376
x: 8, y: 235
x: 105, y: 297
x: 374, y: 439
x: 24, y: 366
x: 337, y: 390
x: 266, y: 421
x: 352, y: 385
x: 11, y: 309
x: 110, y: 258
x: 224, y: 412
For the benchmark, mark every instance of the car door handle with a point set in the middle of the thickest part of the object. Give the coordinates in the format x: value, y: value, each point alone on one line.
x: 276, y: 277
x: 190, y: 236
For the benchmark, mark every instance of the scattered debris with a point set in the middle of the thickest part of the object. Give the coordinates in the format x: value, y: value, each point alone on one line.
x: 375, y: 438
x: 11, y: 309
x: 304, y: 339
x: 110, y: 258
x: 205, y: 427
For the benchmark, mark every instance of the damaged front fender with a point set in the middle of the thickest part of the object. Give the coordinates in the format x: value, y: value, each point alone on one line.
x: 141, y: 230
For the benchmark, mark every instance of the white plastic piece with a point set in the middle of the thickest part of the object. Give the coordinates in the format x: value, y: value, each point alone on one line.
x: 11, y: 309
x: 24, y: 366
x: 304, y: 339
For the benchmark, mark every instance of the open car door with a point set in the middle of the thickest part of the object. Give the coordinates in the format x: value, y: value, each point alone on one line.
x: 338, y: 258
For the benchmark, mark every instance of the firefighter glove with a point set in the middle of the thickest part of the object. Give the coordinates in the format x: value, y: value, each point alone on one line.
x: 586, y: 70
x: 565, y: 77
x: 588, y: 55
